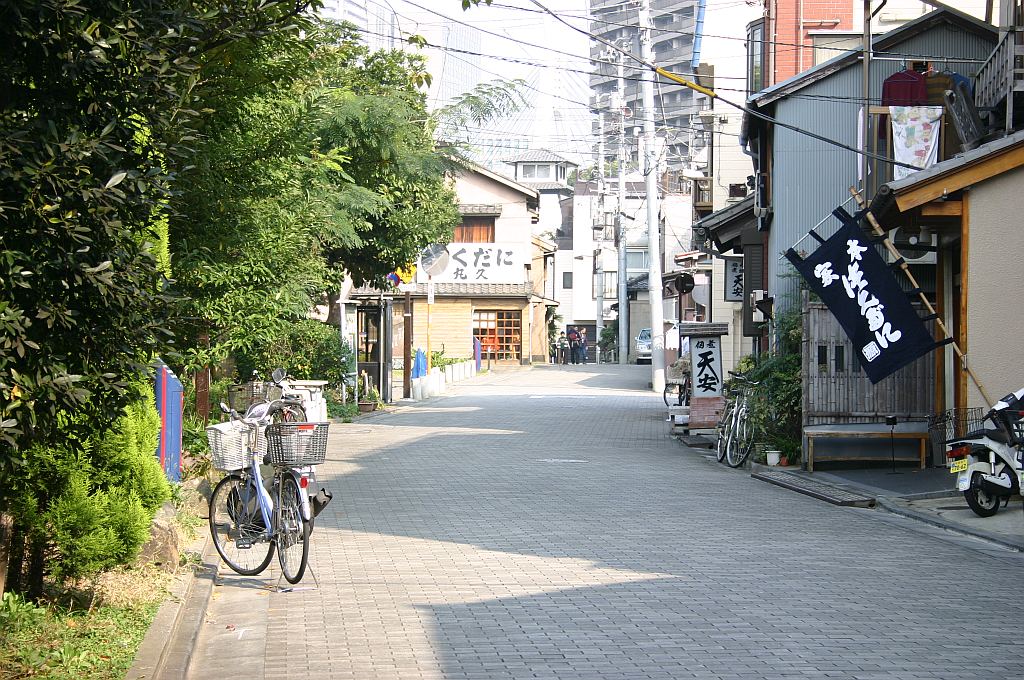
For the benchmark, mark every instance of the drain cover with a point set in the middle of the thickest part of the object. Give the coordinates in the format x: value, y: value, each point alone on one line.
x: 817, y: 490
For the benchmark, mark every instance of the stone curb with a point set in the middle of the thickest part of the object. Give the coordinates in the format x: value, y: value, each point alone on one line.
x: 166, y: 651
x: 895, y: 507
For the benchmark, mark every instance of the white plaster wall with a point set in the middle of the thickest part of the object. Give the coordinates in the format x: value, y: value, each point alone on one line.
x: 550, y: 214
x: 995, y: 312
x: 515, y: 223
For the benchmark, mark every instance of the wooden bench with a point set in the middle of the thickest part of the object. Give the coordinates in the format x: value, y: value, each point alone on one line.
x: 910, y: 430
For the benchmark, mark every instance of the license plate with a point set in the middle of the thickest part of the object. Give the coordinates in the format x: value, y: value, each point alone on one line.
x: 958, y: 465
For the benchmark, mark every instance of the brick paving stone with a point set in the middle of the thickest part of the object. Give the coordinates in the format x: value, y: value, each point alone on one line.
x: 465, y: 543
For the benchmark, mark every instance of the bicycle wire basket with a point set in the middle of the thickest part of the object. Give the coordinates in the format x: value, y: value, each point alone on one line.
x: 297, y: 444
x: 953, y: 424
x: 241, y: 397
x: 229, y: 445
x: 677, y: 371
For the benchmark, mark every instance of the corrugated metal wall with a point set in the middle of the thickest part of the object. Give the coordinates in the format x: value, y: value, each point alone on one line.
x: 810, y: 177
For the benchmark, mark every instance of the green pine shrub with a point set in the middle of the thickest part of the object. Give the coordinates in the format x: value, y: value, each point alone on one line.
x: 87, y: 505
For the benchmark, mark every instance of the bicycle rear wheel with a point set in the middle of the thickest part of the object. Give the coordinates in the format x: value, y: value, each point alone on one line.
x: 742, y: 440
x: 237, y: 527
x: 292, y: 534
x: 724, y: 431
x: 292, y: 413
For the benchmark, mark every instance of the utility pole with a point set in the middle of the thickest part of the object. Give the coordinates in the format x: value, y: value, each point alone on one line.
x: 598, y: 276
x: 651, y: 189
x: 620, y: 221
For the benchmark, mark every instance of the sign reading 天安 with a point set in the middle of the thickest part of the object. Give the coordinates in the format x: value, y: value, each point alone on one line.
x: 484, y: 263
x: 733, y: 279
x: 706, y: 365
x: 859, y: 289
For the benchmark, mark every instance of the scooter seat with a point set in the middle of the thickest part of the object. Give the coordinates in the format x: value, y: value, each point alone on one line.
x: 995, y: 435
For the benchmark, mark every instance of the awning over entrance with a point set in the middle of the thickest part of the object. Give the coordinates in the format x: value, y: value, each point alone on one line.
x: 725, y: 227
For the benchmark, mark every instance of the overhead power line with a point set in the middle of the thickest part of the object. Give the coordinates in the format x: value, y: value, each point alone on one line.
x: 711, y: 94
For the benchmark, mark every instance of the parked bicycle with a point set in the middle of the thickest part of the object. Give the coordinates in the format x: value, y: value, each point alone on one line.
x: 281, y: 399
x: 248, y: 520
x: 736, y: 428
x: 677, y: 383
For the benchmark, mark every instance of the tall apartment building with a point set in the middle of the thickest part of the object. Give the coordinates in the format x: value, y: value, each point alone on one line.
x: 676, y: 47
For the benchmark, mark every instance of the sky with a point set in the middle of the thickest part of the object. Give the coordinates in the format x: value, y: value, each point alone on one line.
x: 513, y: 39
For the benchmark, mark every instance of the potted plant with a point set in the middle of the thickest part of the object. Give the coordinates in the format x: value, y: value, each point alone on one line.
x: 369, y: 400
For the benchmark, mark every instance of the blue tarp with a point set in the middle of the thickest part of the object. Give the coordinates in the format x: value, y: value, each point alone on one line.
x: 419, y: 364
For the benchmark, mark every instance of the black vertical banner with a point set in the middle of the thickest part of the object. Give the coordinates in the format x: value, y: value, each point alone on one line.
x: 858, y: 287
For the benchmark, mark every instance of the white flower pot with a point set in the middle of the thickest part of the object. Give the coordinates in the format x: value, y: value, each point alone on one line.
x: 773, y: 457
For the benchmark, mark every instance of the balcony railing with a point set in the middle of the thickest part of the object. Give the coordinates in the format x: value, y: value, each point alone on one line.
x: 1002, y: 74
x: 702, y: 195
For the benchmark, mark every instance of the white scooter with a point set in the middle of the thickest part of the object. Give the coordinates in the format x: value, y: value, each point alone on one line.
x: 989, y: 462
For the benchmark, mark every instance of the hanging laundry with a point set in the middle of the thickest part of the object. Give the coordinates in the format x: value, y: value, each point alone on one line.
x: 915, y: 136
x: 964, y: 80
x: 936, y: 85
x: 905, y: 88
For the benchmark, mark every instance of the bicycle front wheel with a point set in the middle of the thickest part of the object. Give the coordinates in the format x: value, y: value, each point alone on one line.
x: 742, y: 439
x: 292, y: 531
x: 237, y: 527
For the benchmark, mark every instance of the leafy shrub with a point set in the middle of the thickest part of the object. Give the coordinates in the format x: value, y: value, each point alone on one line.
x: 309, y: 350
x: 16, y: 614
x: 439, y: 360
x: 195, y: 448
x: 776, y: 403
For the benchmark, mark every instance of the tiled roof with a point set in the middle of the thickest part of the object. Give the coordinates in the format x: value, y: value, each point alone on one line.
x: 539, y: 156
x: 477, y: 289
x: 541, y: 186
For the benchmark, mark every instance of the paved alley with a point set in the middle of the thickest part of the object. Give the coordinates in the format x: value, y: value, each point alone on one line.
x: 542, y: 523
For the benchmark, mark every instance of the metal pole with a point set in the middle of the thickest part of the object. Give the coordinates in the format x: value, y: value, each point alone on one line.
x: 407, y: 347
x: 865, y: 115
x: 651, y: 190
x: 598, y: 254
x: 620, y: 223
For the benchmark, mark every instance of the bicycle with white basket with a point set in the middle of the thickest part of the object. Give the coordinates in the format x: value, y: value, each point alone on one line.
x: 248, y: 520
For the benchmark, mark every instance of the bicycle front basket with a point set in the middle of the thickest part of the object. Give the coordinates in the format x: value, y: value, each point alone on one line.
x: 228, y: 445
x: 297, y: 444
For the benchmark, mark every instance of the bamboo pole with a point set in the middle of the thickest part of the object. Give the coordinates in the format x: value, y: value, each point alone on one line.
x: 878, y: 231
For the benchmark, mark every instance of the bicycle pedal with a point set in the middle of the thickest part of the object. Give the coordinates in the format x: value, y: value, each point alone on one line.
x: 243, y: 543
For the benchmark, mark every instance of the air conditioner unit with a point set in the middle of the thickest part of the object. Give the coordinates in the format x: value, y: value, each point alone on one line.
x: 905, y: 239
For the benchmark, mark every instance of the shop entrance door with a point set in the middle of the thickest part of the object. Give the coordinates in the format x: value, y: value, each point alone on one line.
x: 499, y: 333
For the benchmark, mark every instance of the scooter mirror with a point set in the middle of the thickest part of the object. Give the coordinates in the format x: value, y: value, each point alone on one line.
x: 278, y: 375
x: 224, y: 408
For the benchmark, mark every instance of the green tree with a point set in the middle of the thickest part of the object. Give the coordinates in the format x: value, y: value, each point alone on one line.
x: 316, y: 160
x: 94, y: 122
